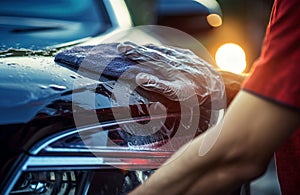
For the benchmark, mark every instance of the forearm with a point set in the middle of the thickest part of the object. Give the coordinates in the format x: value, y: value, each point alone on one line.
x: 270, y: 126
x: 209, y: 173
x: 177, y: 174
x: 183, y: 175
x: 220, y: 160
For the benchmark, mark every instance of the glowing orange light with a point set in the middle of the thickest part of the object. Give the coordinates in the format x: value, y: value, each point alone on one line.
x: 231, y: 57
x: 214, y: 20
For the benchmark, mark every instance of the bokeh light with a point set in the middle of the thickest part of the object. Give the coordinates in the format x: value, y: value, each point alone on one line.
x: 214, y: 20
x: 231, y: 57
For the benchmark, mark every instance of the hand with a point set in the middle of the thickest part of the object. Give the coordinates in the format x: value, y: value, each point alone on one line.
x: 182, y: 73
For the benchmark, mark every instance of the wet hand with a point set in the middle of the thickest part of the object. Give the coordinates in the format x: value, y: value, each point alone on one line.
x: 182, y: 73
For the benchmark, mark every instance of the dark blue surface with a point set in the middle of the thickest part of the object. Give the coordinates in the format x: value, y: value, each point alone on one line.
x: 29, y: 84
x: 40, y: 24
x: 102, y: 59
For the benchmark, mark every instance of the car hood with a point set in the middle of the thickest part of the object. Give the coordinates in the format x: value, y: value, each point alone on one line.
x: 29, y: 84
x: 37, y: 100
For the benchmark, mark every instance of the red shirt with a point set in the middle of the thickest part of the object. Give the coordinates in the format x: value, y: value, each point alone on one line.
x: 276, y: 76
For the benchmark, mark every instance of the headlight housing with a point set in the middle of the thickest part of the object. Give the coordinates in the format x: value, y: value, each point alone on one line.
x: 88, y: 161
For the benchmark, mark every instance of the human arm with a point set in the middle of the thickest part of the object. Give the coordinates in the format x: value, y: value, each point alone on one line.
x: 252, y: 130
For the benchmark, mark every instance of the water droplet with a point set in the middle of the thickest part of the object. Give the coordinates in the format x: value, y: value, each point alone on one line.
x: 57, y: 87
x: 73, y: 76
x: 12, y: 64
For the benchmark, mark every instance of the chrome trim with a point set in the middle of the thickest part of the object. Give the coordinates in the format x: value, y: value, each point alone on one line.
x: 117, y: 152
x: 44, y: 143
x: 44, y: 163
x: 13, y: 176
x: 51, y: 163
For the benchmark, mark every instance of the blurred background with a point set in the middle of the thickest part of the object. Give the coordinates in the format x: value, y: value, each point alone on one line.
x: 231, y: 30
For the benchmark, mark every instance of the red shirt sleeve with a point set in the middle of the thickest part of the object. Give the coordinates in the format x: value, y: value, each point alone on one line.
x: 276, y: 74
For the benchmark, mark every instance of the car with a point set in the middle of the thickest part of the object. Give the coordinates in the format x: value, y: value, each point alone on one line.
x: 63, y: 132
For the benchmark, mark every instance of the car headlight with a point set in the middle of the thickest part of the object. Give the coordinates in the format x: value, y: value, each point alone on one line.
x: 104, y: 156
x: 88, y: 161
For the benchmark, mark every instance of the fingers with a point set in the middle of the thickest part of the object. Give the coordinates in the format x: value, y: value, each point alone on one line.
x: 178, y: 53
x: 185, y: 77
x: 169, y: 51
x: 135, y: 52
x: 169, y: 55
x: 175, y: 90
x: 148, y: 55
x: 153, y: 83
x: 184, y: 56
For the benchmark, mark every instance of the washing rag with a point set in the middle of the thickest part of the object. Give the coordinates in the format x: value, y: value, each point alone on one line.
x: 103, y: 60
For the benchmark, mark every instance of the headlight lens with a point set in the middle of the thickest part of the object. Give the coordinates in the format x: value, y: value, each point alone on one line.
x: 91, y: 160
